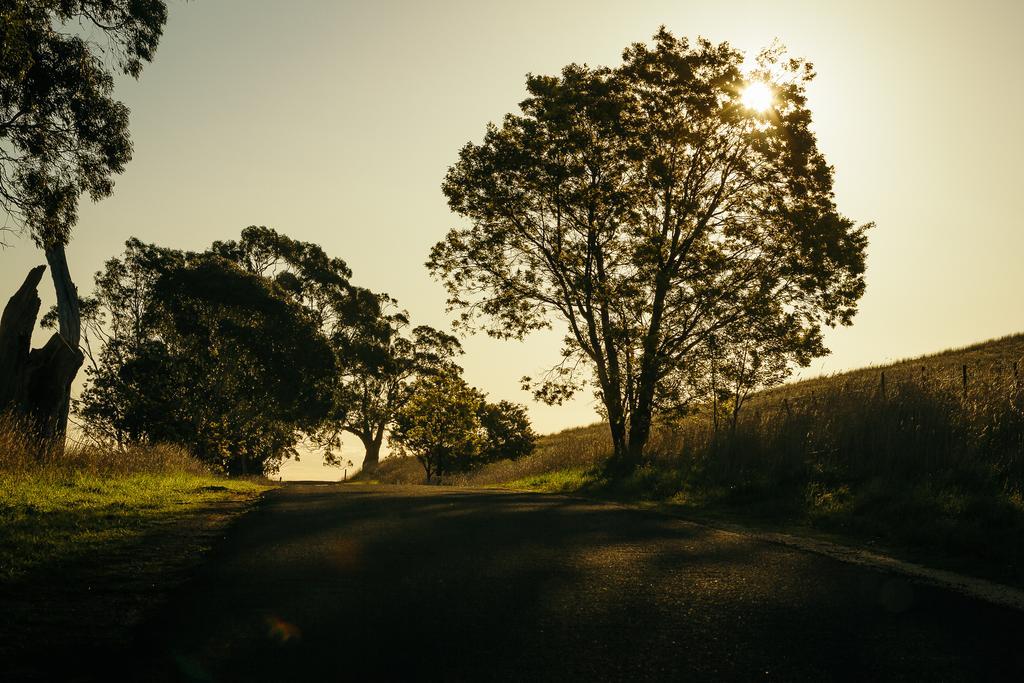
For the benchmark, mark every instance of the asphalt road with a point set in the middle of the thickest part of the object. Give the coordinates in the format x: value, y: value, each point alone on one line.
x: 372, y: 583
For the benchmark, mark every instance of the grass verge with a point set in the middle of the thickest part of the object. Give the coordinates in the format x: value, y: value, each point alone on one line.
x: 91, y: 539
x: 54, y: 517
x: 943, y: 525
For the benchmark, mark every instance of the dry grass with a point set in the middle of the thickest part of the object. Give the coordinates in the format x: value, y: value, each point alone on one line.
x: 580, y: 448
x: 928, y: 461
x: 21, y: 454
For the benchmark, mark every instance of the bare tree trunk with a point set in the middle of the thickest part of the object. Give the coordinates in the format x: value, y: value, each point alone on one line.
x: 67, y: 296
x: 19, y: 318
x: 37, y: 382
x: 62, y: 356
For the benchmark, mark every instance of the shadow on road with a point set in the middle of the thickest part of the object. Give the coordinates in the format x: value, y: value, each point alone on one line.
x: 381, y: 583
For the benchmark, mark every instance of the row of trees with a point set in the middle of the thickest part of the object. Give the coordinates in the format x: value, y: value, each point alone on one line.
x: 686, y: 236
x: 237, y: 351
x: 241, y: 351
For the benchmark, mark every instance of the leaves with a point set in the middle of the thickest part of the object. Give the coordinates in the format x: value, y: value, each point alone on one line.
x: 62, y: 134
x: 197, y: 351
x: 647, y: 209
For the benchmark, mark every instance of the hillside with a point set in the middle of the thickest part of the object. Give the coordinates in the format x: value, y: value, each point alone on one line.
x: 929, y: 458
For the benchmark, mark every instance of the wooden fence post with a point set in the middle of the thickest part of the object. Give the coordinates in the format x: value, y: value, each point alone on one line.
x: 963, y: 369
x: 883, y: 385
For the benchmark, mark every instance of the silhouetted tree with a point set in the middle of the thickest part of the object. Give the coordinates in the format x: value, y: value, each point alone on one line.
x: 378, y: 356
x: 440, y: 425
x: 62, y: 135
x: 318, y: 282
x: 508, y: 433
x: 381, y: 360
x: 648, y: 209
x: 199, y: 352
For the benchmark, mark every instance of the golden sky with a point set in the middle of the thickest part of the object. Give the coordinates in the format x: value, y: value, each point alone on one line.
x: 335, y: 121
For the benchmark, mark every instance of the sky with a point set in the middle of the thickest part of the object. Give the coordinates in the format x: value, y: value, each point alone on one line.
x: 334, y: 122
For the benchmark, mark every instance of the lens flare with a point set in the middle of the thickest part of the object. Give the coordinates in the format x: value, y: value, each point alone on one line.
x: 758, y: 96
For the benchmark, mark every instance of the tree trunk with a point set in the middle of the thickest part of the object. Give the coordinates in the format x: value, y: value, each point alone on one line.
x: 67, y: 296
x: 617, y: 425
x: 63, y: 356
x: 372, y: 457
x: 639, y: 434
x: 425, y: 461
x: 19, y: 318
x: 36, y: 383
x: 52, y: 370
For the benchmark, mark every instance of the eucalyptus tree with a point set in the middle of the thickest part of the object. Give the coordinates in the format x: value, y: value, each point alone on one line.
x: 192, y: 349
x: 381, y: 360
x: 648, y: 207
x: 62, y: 135
x: 379, y: 353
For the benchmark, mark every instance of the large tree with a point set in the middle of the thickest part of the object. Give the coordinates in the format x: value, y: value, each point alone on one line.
x: 378, y: 355
x: 650, y: 207
x: 380, y: 361
x: 62, y: 135
x: 192, y: 349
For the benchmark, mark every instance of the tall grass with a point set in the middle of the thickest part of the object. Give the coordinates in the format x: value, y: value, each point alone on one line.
x: 925, y: 460
x: 22, y: 453
x: 910, y: 421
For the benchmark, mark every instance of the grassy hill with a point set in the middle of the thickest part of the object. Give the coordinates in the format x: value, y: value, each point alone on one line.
x: 926, y: 453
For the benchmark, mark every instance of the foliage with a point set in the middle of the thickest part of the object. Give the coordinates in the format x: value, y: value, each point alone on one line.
x: 314, y: 280
x: 196, y: 351
x: 648, y: 209
x: 377, y: 354
x: 61, y: 132
x: 450, y: 427
x: 440, y: 425
x: 382, y: 360
x: 509, y: 433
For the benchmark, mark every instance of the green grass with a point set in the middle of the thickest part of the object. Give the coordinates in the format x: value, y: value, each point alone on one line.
x: 86, y: 501
x: 50, y: 517
x: 558, y: 481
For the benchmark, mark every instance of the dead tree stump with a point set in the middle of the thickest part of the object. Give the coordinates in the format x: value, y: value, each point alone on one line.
x: 35, y: 383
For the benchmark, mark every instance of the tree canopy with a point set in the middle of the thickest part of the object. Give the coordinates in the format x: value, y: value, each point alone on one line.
x: 650, y: 210
x: 451, y: 427
x: 62, y: 134
x: 378, y: 353
x: 195, y: 350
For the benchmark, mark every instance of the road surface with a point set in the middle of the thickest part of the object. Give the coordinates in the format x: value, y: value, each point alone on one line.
x: 376, y: 583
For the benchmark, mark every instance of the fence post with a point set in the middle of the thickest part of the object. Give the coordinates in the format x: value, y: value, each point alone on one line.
x: 963, y: 369
x: 883, y: 384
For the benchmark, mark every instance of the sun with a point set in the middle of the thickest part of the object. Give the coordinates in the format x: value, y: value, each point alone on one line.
x: 758, y: 96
